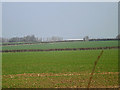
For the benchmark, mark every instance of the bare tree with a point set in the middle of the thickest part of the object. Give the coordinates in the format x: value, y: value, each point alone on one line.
x: 54, y: 38
x: 30, y: 38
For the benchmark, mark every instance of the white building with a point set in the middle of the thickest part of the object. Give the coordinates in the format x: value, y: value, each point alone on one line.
x: 73, y: 39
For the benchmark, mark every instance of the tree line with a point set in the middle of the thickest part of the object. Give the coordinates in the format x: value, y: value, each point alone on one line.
x: 31, y: 38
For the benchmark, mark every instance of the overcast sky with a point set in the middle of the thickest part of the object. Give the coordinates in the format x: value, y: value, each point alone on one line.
x: 67, y: 20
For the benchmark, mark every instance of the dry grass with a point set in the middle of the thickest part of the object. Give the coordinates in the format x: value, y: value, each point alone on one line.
x: 57, y: 74
x: 61, y: 80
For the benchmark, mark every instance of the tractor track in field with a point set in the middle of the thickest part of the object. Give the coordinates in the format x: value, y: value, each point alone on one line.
x: 63, y: 49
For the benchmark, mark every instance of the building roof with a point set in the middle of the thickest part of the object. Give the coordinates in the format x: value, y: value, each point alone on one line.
x: 73, y: 39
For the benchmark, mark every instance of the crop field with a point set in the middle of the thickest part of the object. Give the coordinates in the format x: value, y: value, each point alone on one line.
x: 59, y: 69
x: 78, y: 44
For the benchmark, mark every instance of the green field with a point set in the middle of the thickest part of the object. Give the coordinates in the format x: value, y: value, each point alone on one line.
x: 77, y: 44
x: 59, y: 69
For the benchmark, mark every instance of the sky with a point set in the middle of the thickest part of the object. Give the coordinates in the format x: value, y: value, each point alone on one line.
x: 70, y: 20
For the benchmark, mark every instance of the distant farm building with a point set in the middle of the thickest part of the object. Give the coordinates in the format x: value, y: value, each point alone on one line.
x: 73, y: 39
x: 86, y: 38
